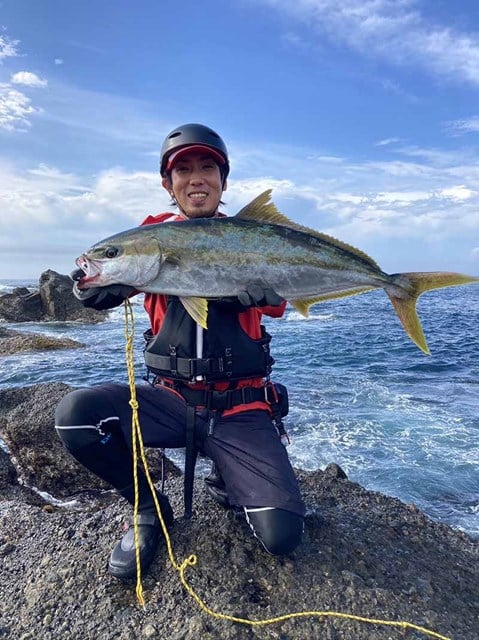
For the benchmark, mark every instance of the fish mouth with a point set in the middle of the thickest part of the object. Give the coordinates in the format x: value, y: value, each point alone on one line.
x: 92, y: 271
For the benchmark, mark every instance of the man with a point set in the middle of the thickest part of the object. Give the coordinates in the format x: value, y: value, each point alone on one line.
x: 210, y: 389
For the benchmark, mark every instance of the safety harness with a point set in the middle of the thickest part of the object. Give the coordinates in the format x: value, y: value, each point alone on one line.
x: 228, y: 355
x: 216, y: 402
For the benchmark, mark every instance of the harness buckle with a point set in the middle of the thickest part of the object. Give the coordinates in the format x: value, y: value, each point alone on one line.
x: 173, y: 360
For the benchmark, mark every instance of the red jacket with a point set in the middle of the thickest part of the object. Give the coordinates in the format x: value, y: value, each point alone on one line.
x: 250, y: 320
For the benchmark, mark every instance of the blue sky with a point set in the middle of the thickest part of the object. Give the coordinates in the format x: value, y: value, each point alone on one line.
x: 362, y: 116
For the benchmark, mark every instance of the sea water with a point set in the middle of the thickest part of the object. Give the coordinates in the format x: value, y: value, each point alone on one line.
x: 361, y: 393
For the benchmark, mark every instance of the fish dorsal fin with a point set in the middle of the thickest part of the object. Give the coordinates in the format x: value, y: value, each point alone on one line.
x: 261, y: 209
x: 197, y: 308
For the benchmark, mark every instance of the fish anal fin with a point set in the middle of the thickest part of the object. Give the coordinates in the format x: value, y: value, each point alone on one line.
x: 197, y: 308
x: 302, y: 304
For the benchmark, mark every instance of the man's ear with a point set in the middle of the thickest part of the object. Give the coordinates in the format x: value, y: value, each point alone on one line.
x: 225, y: 185
x: 166, y: 182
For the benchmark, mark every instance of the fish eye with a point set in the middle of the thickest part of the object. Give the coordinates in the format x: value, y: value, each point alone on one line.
x: 111, y: 252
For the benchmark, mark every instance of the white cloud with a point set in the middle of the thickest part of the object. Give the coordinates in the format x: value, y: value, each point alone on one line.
x: 15, y: 109
x: 8, y: 48
x: 28, y: 79
x: 58, y: 61
x: 383, y: 208
x: 387, y: 141
x: 393, y: 30
x: 467, y: 125
x: 459, y: 192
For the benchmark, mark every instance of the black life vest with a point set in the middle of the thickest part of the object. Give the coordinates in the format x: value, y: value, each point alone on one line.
x: 228, y: 352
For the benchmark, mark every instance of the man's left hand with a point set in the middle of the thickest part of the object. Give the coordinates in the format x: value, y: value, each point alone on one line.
x: 256, y: 296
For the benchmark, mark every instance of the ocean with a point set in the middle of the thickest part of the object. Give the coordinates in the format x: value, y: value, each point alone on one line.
x: 362, y: 395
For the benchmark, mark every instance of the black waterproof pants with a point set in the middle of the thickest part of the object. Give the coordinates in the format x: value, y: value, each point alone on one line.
x: 95, y: 426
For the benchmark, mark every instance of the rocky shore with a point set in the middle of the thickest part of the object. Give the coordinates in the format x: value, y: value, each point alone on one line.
x: 363, y: 553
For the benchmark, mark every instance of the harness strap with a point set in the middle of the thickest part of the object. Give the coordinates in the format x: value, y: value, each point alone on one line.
x: 216, y: 402
x: 189, y: 368
x: 222, y: 400
x: 191, y: 453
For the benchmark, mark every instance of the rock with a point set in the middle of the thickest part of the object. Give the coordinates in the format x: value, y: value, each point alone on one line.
x: 8, y: 474
x: 355, y: 558
x: 53, y: 301
x: 334, y: 471
x: 18, y: 341
x: 55, y: 564
x: 10, y: 488
x: 58, y: 301
x: 27, y: 425
x: 21, y: 306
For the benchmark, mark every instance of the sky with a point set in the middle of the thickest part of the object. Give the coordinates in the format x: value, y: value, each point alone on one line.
x: 362, y: 116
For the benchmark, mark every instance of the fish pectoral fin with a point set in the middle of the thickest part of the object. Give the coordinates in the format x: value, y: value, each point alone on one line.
x: 171, y: 258
x: 197, y: 308
x: 302, y: 305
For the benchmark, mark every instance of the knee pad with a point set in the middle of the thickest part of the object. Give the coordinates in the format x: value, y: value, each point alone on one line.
x: 278, y: 530
x: 77, y: 419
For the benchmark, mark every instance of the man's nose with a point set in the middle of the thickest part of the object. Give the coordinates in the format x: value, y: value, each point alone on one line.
x: 196, y: 177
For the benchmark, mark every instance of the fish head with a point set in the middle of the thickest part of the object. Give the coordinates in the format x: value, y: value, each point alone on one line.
x: 127, y: 258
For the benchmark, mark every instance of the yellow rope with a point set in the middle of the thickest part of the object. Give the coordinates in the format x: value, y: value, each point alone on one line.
x: 137, y: 442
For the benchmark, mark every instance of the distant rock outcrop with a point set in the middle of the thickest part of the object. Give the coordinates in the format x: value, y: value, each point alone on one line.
x: 54, y: 300
x: 19, y: 341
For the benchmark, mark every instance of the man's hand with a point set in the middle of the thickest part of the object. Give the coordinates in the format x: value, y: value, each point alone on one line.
x: 257, y: 296
x: 100, y: 298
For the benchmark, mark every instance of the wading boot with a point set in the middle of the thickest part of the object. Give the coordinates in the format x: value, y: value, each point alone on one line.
x: 215, y: 486
x: 122, y: 563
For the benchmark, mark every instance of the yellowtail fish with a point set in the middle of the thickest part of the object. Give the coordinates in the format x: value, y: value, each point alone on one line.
x: 207, y: 258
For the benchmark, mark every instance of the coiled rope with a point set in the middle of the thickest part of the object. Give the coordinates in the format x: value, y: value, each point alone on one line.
x: 190, y: 561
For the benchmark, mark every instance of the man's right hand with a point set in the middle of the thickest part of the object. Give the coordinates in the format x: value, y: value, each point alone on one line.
x: 100, y: 298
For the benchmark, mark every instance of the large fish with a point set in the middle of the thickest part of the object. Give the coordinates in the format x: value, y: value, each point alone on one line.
x: 212, y: 258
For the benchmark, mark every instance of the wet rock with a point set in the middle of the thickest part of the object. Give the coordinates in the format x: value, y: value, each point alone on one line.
x: 58, y: 301
x: 54, y: 301
x: 21, y: 306
x: 27, y: 425
x: 19, y: 341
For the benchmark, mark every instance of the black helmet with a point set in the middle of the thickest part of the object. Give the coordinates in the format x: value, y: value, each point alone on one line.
x: 194, y: 135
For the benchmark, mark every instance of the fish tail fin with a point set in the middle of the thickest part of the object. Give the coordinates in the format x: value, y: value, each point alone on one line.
x: 404, y: 294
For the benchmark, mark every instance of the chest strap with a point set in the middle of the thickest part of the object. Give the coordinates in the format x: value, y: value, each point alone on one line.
x: 189, y: 368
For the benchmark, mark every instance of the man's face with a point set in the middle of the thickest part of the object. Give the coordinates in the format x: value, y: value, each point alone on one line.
x: 196, y: 184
